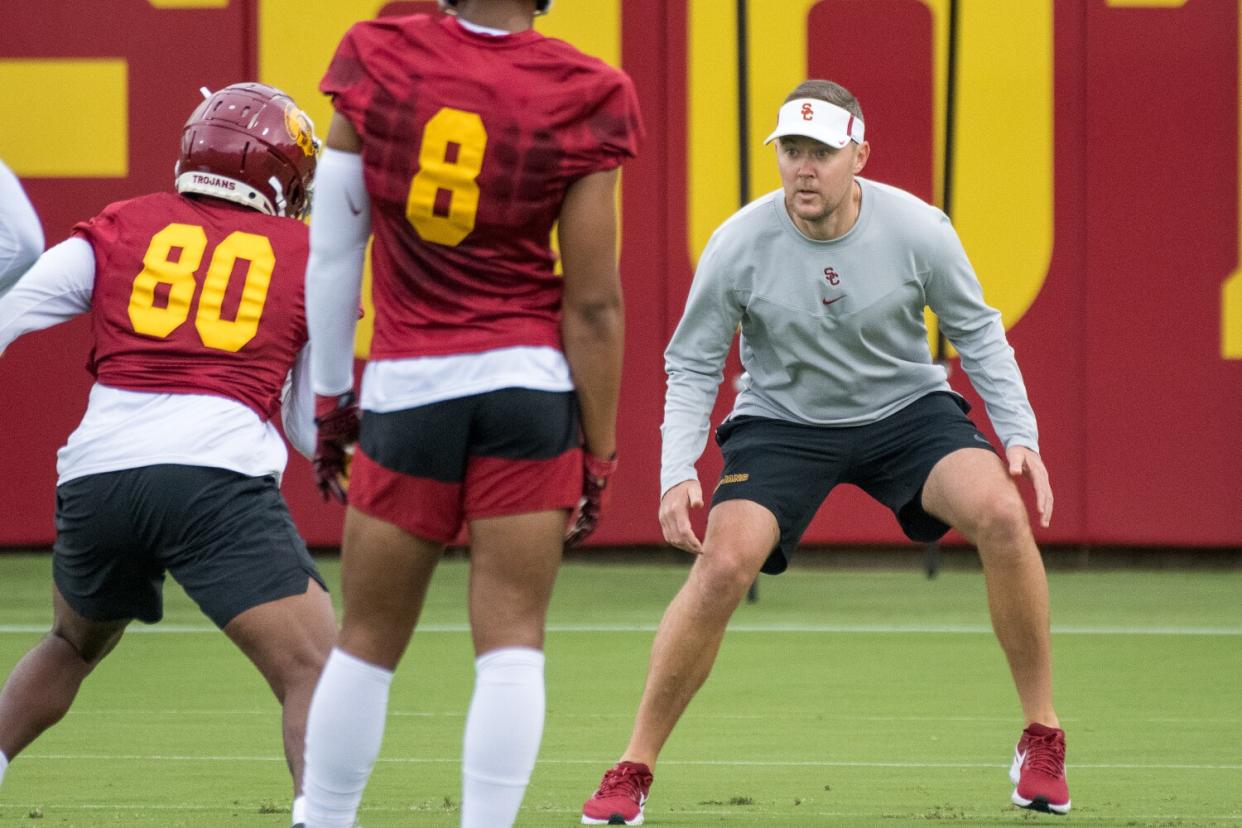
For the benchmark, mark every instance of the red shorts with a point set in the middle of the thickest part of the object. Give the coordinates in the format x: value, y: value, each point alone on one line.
x: 507, y: 452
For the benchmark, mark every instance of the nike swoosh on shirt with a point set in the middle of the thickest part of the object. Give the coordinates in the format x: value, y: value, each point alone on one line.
x: 357, y: 211
x: 830, y: 301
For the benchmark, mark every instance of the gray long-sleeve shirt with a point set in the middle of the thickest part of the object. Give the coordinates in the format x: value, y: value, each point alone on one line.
x: 832, y: 332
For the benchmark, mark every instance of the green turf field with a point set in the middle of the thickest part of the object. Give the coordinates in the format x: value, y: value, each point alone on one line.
x: 840, y: 698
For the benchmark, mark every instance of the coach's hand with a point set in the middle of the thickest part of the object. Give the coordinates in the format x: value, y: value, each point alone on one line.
x: 595, y: 474
x: 1023, y: 461
x: 675, y: 509
x: 336, y: 420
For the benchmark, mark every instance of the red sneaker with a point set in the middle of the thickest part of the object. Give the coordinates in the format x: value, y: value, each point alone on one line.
x: 621, y: 796
x: 1038, y: 771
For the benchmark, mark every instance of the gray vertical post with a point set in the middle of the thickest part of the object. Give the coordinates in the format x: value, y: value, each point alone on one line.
x: 743, y: 156
x: 931, y: 551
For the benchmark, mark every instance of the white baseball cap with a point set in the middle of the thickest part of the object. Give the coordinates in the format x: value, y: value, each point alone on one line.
x: 818, y: 119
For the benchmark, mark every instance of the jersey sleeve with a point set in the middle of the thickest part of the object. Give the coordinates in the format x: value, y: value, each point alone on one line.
x: 611, y: 126
x: 346, y: 79
x: 102, y: 233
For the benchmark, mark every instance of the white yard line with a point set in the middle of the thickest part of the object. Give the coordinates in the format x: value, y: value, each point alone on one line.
x: 846, y: 629
x: 274, y: 713
x: 730, y: 763
x: 740, y: 812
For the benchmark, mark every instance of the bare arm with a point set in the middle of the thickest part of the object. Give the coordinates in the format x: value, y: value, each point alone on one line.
x: 342, y: 135
x: 593, y: 320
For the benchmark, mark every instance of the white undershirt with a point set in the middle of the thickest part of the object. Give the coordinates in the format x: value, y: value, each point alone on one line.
x: 127, y: 429
x: 486, y: 30
x: 398, y: 384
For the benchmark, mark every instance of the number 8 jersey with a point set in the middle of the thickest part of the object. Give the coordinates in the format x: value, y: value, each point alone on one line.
x: 469, y: 144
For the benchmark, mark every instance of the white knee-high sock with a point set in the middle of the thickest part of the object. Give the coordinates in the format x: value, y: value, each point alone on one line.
x: 4, y: 765
x: 503, y: 731
x: 343, y: 735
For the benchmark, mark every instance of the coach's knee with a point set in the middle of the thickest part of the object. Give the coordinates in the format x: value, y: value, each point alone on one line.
x: 1002, y: 523
x: 726, y: 571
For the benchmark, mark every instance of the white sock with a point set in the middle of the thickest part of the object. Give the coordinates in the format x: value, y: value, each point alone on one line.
x: 4, y: 764
x: 503, y: 731
x: 299, y: 811
x: 343, y: 735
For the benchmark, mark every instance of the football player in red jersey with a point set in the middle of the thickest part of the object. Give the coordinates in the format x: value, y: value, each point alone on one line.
x: 199, y: 325
x: 490, y: 398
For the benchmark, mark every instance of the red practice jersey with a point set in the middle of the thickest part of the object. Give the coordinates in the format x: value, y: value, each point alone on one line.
x: 197, y: 297
x: 469, y: 145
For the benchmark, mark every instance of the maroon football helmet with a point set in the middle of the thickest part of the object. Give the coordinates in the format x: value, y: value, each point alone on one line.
x: 250, y: 143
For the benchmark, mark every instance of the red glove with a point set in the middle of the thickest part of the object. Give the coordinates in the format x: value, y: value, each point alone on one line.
x: 595, y: 474
x: 337, y: 420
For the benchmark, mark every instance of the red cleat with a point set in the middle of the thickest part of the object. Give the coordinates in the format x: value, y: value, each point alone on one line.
x: 621, y: 796
x: 1038, y: 771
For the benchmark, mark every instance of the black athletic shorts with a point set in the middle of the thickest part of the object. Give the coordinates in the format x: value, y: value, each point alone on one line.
x: 226, y: 538
x: 789, y: 468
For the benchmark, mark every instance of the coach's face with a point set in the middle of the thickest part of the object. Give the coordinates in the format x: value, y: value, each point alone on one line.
x: 818, y: 179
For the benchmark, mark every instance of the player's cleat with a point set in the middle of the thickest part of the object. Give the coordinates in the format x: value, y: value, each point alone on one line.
x: 621, y: 796
x: 1038, y: 771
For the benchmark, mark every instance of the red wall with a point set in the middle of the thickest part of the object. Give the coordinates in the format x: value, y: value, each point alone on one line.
x: 1141, y: 414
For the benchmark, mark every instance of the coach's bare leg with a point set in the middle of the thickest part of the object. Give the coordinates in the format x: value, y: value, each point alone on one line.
x: 513, y: 565
x: 971, y: 490
x: 740, y: 535
x: 43, y: 685
x: 289, y: 641
x: 385, y: 572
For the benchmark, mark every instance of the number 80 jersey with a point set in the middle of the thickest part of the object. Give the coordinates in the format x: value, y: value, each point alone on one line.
x: 197, y: 297
x: 470, y: 142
